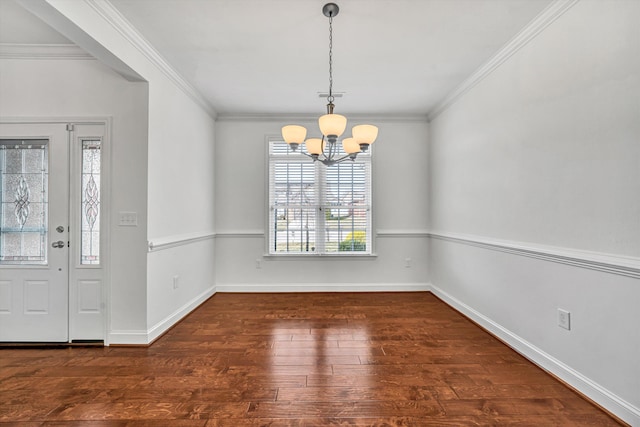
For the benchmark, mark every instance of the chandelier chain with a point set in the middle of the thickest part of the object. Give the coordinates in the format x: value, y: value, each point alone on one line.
x: 330, y: 97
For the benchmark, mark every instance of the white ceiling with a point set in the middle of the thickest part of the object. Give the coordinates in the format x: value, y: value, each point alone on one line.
x: 396, y: 57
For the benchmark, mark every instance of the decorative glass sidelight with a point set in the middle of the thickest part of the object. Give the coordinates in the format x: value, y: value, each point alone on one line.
x: 90, y: 198
x: 24, y: 201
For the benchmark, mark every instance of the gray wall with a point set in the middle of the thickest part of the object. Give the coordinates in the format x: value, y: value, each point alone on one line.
x: 400, y: 214
x: 174, y: 167
x: 542, y: 158
x: 85, y: 88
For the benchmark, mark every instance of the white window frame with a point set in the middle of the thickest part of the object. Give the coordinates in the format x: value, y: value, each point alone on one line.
x: 319, y: 206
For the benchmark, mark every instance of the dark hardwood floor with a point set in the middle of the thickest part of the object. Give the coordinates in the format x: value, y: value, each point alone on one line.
x: 353, y: 359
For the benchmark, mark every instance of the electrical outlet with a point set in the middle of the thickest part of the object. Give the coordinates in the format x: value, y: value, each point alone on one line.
x: 176, y: 282
x: 407, y: 263
x: 564, y: 319
x: 258, y: 263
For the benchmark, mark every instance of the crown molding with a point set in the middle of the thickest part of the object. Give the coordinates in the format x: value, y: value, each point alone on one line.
x: 284, y: 117
x: 42, y: 51
x: 114, y: 18
x: 528, y: 33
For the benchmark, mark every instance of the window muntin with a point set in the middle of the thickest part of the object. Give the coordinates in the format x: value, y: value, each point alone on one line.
x: 315, y: 209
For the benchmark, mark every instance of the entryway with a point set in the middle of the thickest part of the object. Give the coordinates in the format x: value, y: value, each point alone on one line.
x: 51, y: 232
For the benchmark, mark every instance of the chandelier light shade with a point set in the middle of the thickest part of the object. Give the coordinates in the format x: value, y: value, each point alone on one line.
x: 331, y: 125
x: 294, y: 134
x: 315, y: 146
x: 350, y: 146
x: 364, y: 135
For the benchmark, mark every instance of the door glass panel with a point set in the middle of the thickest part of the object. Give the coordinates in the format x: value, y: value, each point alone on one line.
x: 24, y: 198
x: 90, y: 232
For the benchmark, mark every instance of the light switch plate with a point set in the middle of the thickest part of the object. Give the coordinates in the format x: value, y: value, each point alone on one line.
x: 128, y: 219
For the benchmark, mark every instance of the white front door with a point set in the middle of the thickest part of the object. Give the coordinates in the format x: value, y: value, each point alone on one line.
x: 34, y: 233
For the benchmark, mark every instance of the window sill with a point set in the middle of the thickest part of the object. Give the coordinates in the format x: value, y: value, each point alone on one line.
x: 300, y: 257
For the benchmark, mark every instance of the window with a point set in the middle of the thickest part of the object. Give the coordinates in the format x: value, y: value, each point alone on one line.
x: 24, y: 182
x: 315, y: 209
x: 90, y: 198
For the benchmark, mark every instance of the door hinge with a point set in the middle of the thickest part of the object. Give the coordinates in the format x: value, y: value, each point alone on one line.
x: 69, y: 127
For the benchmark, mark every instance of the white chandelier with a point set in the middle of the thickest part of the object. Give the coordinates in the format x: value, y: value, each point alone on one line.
x: 331, y: 125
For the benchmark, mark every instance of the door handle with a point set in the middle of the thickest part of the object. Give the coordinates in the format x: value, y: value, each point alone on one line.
x: 58, y: 244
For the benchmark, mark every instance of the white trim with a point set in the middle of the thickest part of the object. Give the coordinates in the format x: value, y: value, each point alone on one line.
x: 312, y: 256
x: 608, y: 400
x: 239, y: 234
x: 90, y: 120
x: 139, y: 337
x: 114, y: 18
x: 43, y: 51
x: 307, y: 117
x: 259, y: 234
x: 128, y: 337
x: 107, y: 235
x: 164, y: 325
x: 266, y: 213
x: 322, y: 287
x: 402, y: 233
x: 528, y: 33
x: 162, y: 243
x: 608, y: 263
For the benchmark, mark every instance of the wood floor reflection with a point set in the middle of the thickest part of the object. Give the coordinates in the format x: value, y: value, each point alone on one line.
x: 352, y: 359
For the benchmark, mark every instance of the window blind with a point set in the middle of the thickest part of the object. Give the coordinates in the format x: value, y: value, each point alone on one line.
x: 318, y: 209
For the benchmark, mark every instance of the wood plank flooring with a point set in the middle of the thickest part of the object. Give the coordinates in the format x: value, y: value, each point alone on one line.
x: 352, y: 359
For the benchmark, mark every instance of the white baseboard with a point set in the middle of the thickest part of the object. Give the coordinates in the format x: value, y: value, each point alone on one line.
x: 163, y: 326
x: 131, y: 337
x: 323, y: 287
x: 145, y: 337
x: 603, y: 397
